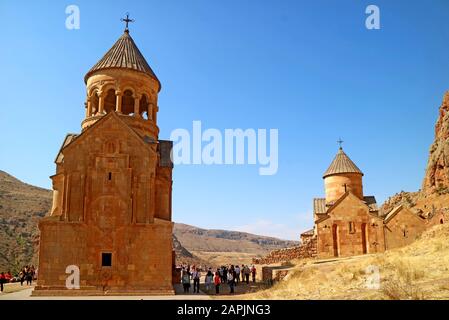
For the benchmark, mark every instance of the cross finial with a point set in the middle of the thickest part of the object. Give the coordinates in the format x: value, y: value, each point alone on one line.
x: 127, y: 20
x: 340, y: 142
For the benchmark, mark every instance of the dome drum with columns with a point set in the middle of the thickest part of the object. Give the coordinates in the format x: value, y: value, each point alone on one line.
x: 123, y: 82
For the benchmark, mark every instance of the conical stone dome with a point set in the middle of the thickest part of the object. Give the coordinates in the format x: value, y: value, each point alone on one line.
x: 342, y: 164
x: 123, y: 54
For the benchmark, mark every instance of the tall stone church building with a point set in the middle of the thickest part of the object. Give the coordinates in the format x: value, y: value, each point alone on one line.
x: 111, y: 215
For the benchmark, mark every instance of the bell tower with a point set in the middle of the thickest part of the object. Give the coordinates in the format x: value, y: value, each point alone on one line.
x: 123, y: 82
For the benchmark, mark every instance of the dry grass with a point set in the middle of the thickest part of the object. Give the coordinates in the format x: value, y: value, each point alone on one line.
x: 418, y: 271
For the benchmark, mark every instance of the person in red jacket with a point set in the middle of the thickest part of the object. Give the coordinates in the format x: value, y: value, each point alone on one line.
x: 217, y: 281
x: 8, y: 277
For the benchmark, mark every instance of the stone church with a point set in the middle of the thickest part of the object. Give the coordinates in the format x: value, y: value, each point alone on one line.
x: 111, y: 214
x: 347, y: 222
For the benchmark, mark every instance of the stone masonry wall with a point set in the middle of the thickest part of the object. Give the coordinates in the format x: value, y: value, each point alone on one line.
x: 306, y: 250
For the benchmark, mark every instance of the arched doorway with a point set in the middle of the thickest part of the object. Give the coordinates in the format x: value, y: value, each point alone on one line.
x: 364, y: 238
x: 336, y: 240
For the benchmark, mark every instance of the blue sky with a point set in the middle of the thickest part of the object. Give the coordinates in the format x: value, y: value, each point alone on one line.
x: 307, y: 68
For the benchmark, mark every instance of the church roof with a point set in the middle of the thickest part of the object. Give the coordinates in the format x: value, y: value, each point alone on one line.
x: 123, y: 54
x: 342, y: 164
x: 320, y: 208
x: 67, y: 140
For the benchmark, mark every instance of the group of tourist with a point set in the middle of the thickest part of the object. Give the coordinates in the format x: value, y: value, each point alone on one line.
x: 27, y: 273
x: 230, y: 275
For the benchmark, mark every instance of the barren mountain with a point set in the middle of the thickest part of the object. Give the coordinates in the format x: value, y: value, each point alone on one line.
x: 196, y: 239
x: 22, y: 205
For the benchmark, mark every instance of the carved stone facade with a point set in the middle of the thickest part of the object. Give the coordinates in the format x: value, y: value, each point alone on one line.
x: 111, y: 214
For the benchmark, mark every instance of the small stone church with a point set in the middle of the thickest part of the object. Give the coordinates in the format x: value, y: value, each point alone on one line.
x: 111, y: 214
x: 347, y: 222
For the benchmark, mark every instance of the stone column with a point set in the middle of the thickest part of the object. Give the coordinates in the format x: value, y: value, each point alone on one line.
x: 150, y: 111
x: 136, y: 105
x: 89, y: 108
x: 118, y: 101
x: 156, y: 109
x: 100, y: 102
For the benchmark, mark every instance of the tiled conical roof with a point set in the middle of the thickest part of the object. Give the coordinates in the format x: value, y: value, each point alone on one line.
x: 342, y: 164
x: 123, y: 54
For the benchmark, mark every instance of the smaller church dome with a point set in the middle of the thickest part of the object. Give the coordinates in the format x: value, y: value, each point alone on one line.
x: 342, y: 164
x: 123, y: 54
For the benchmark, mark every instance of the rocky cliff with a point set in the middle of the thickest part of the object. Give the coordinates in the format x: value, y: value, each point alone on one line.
x: 437, y: 171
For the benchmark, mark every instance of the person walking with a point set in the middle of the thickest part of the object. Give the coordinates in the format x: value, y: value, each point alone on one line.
x: 247, y: 273
x: 217, y: 281
x: 225, y: 274
x: 22, y: 276
x: 231, y: 281
x: 253, y: 273
x: 209, y: 279
x: 221, y: 272
x: 196, y: 274
x: 185, y: 278
x: 2, y: 281
x: 29, y: 277
x: 237, y: 274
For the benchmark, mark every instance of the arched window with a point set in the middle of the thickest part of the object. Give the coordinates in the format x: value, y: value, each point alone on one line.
x: 109, y: 101
x: 127, y: 102
x: 94, y: 101
x: 143, y: 106
x: 441, y: 221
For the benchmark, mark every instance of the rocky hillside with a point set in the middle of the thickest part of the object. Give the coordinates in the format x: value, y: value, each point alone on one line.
x: 22, y: 205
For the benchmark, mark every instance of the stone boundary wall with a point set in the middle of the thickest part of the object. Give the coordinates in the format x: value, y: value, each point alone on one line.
x: 307, y: 249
